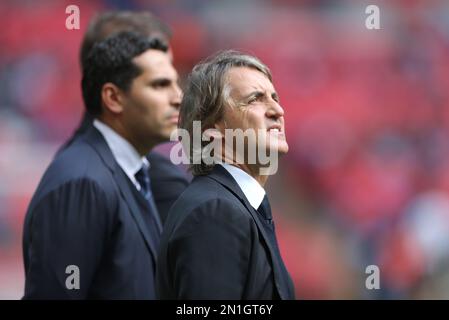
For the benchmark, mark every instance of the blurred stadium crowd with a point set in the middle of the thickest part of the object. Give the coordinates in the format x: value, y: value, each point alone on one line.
x: 366, y: 180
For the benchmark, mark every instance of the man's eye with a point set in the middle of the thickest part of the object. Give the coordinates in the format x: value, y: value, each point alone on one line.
x: 255, y: 99
x: 160, y: 84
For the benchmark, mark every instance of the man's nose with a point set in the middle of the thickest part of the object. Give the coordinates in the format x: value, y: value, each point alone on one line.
x: 177, y: 96
x: 275, y: 110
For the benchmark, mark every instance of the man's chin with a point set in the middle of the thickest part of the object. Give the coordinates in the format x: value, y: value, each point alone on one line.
x: 168, y: 133
x: 281, y: 148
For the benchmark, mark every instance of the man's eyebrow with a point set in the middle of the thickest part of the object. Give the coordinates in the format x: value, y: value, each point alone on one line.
x: 160, y: 81
x: 258, y: 94
x: 254, y: 94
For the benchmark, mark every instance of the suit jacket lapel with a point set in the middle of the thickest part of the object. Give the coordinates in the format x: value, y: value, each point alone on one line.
x: 220, y: 175
x: 96, y: 140
x: 136, y: 211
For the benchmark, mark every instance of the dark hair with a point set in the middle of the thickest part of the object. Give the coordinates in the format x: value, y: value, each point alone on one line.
x: 112, y: 22
x: 111, y: 61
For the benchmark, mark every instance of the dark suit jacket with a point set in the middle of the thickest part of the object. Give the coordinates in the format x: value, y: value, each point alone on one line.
x: 168, y: 181
x: 214, y: 247
x: 86, y: 212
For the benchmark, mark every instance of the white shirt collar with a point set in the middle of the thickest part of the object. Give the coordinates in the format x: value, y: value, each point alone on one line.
x: 252, y: 190
x: 124, y: 153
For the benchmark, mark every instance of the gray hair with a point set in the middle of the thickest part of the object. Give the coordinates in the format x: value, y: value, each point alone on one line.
x: 207, y: 93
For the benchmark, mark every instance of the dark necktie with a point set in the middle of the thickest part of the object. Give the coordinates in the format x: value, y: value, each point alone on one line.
x: 143, y: 177
x: 267, y: 221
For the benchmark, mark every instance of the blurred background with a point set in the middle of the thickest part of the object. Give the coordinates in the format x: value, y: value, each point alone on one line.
x: 366, y: 181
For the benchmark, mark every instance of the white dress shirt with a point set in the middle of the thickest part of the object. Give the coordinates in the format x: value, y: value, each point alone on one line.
x: 124, y: 153
x: 252, y: 190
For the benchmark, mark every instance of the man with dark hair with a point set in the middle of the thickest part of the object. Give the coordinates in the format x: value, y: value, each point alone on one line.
x: 92, y: 229
x: 107, y: 24
x: 168, y: 181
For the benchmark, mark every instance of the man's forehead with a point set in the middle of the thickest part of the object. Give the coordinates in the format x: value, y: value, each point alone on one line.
x: 156, y: 62
x: 244, y: 80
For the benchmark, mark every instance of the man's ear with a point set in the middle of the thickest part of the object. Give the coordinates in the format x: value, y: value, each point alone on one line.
x: 112, y: 97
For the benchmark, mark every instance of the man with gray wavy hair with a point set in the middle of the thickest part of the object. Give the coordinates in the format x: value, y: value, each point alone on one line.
x: 219, y: 241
